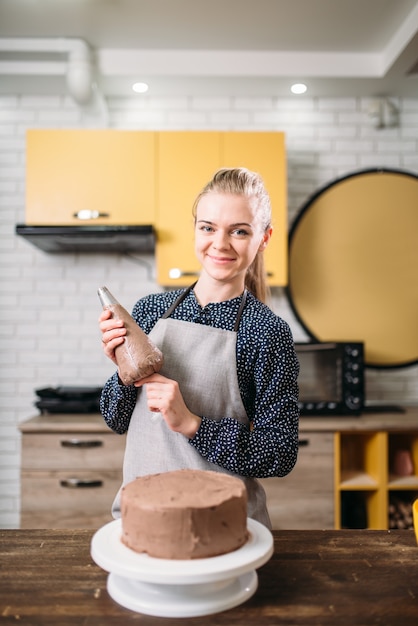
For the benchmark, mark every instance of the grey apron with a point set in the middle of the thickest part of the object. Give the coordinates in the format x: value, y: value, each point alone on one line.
x: 202, y: 359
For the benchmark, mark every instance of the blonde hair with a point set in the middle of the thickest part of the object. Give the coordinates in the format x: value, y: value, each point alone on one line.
x: 241, y: 181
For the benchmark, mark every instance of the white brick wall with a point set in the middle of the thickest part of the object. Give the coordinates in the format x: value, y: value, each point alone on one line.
x: 48, y: 304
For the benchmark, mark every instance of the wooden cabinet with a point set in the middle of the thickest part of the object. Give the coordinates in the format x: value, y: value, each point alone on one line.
x: 107, y: 174
x: 376, y: 478
x: 304, y: 499
x: 350, y: 472
x: 71, y: 471
x: 186, y: 161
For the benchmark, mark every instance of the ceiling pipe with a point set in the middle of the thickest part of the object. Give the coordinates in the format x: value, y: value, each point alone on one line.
x: 80, y: 73
x: 78, y: 68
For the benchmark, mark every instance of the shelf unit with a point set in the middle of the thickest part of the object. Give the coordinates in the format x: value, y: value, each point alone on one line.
x: 373, y: 469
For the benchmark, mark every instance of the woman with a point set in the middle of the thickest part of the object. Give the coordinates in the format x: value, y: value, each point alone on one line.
x: 226, y: 397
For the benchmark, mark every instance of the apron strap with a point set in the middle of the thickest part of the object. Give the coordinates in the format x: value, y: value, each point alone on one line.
x: 183, y: 295
x: 240, y: 310
x: 177, y: 302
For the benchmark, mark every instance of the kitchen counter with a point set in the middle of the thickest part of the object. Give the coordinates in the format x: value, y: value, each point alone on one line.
x: 403, y: 419
x: 327, y: 578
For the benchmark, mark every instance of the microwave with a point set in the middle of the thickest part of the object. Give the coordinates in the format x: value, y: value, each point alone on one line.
x: 331, y: 378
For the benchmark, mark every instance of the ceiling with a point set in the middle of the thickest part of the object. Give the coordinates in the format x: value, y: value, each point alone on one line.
x: 214, y: 47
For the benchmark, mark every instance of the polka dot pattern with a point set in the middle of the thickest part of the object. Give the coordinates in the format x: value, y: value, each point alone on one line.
x: 267, y: 370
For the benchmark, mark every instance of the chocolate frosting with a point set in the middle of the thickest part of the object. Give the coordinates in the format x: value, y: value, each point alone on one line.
x: 184, y: 514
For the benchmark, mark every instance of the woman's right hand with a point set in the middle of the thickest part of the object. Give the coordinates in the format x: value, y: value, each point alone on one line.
x: 113, y: 333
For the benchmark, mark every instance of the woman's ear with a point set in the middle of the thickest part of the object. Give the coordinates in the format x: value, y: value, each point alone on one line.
x: 265, y: 240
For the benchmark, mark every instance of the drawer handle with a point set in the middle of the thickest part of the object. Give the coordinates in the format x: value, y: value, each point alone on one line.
x: 79, y: 443
x: 303, y: 443
x: 80, y: 483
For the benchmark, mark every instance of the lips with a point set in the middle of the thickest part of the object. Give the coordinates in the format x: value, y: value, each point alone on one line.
x: 221, y: 260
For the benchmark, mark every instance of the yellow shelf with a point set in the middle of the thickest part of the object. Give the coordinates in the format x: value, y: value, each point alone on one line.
x: 364, y: 463
x: 403, y: 482
x: 357, y: 481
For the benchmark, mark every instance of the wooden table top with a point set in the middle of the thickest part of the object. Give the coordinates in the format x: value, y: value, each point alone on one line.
x: 327, y: 578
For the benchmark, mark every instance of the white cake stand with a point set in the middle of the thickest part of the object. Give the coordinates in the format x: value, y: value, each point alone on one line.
x: 186, y: 588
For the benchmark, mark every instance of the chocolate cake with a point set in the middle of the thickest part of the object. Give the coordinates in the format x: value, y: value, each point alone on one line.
x: 184, y: 514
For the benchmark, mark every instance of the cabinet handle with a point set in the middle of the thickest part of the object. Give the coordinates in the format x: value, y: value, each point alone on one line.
x: 86, y: 214
x: 80, y: 483
x: 79, y: 443
x: 303, y: 443
x: 176, y: 272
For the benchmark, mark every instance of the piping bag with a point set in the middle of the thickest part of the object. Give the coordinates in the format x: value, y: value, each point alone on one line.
x: 137, y: 357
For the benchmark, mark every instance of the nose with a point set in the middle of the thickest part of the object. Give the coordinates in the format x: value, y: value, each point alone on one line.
x: 220, y: 240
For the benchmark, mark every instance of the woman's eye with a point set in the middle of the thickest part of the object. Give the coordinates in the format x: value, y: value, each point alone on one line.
x: 240, y: 232
x: 206, y: 229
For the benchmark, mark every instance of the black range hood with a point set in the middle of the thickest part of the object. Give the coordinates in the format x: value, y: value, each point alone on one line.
x: 56, y: 239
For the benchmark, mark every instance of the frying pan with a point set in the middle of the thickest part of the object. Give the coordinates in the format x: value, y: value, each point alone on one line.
x: 353, y: 265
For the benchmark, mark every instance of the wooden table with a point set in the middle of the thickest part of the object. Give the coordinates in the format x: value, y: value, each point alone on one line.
x: 327, y: 578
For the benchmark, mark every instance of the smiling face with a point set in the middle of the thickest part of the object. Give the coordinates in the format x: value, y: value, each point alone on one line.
x: 228, y: 235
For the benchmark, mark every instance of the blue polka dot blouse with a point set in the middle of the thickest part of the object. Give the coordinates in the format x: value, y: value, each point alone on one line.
x: 267, y: 369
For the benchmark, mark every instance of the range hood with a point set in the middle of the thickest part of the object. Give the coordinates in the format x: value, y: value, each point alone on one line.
x: 56, y: 239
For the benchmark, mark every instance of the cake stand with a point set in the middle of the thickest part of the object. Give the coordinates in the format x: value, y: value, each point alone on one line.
x: 180, y: 588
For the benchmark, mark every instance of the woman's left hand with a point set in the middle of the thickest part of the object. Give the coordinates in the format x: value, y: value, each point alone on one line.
x: 164, y: 396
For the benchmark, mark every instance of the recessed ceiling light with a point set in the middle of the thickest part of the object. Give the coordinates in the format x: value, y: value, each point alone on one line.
x: 140, y: 87
x: 298, y: 88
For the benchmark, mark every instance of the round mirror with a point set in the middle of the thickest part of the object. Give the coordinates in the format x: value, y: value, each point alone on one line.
x: 353, y: 265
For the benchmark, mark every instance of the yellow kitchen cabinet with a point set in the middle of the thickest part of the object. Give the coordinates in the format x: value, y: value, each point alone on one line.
x: 82, y: 177
x: 186, y: 161
x: 264, y: 152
